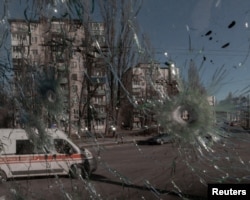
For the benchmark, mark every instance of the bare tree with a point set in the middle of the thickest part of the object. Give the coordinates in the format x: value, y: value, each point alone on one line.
x: 123, y: 52
x: 194, y: 81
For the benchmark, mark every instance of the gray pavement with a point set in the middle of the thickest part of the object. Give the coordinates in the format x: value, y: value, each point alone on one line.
x: 123, y: 137
x: 109, y: 140
x: 128, y: 136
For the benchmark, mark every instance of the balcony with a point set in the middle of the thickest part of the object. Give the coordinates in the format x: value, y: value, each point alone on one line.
x: 99, y: 104
x: 101, y: 115
x: 63, y: 81
x: 61, y: 68
x: 100, y: 92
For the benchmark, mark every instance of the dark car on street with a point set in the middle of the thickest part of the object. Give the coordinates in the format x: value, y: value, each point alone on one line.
x: 161, y: 138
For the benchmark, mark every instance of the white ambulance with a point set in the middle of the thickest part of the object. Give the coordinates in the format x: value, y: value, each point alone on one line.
x: 20, y: 157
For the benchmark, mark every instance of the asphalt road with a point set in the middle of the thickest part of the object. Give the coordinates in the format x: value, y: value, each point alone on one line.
x: 125, y: 171
x: 128, y: 171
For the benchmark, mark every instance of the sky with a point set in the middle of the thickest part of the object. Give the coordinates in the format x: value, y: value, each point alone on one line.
x: 212, y: 33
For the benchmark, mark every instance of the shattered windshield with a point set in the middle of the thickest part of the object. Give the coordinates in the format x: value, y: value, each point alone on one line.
x: 113, y: 74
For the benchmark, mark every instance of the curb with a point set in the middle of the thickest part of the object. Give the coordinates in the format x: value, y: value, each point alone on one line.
x: 107, y: 143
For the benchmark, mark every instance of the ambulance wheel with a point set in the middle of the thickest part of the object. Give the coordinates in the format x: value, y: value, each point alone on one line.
x: 86, y: 170
x: 76, y: 171
x: 3, y: 177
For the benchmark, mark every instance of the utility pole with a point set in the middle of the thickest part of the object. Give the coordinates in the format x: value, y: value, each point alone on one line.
x: 69, y: 101
x: 248, y: 113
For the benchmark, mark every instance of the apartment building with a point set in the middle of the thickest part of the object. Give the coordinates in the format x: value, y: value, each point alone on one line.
x: 73, y: 55
x: 63, y: 51
x: 152, y: 82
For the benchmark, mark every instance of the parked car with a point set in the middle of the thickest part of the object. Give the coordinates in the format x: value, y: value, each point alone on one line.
x: 161, y: 138
x: 234, y: 123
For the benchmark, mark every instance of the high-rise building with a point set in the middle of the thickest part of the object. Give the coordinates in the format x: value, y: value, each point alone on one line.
x: 152, y: 82
x: 73, y: 54
x: 66, y: 51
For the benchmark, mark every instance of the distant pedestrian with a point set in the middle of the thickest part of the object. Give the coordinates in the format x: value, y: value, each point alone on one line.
x: 113, y: 130
x: 119, y: 136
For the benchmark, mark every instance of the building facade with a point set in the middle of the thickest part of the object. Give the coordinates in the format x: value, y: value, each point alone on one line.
x: 151, y: 83
x: 66, y: 52
x: 73, y: 54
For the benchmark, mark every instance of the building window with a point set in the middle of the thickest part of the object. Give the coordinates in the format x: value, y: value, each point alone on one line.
x: 101, y: 109
x: 136, y: 83
x: 74, y: 88
x: 33, y: 40
x: 33, y: 27
x: 14, y: 37
x: 99, y: 100
x: 74, y: 77
x: 35, y: 63
x: 18, y: 49
x: 21, y: 37
x: 35, y: 52
x: 74, y: 65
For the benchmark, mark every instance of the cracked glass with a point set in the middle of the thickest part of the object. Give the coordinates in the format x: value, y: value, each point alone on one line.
x: 149, y: 99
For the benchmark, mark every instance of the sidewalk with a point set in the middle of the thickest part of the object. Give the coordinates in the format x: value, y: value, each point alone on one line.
x: 123, y: 138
